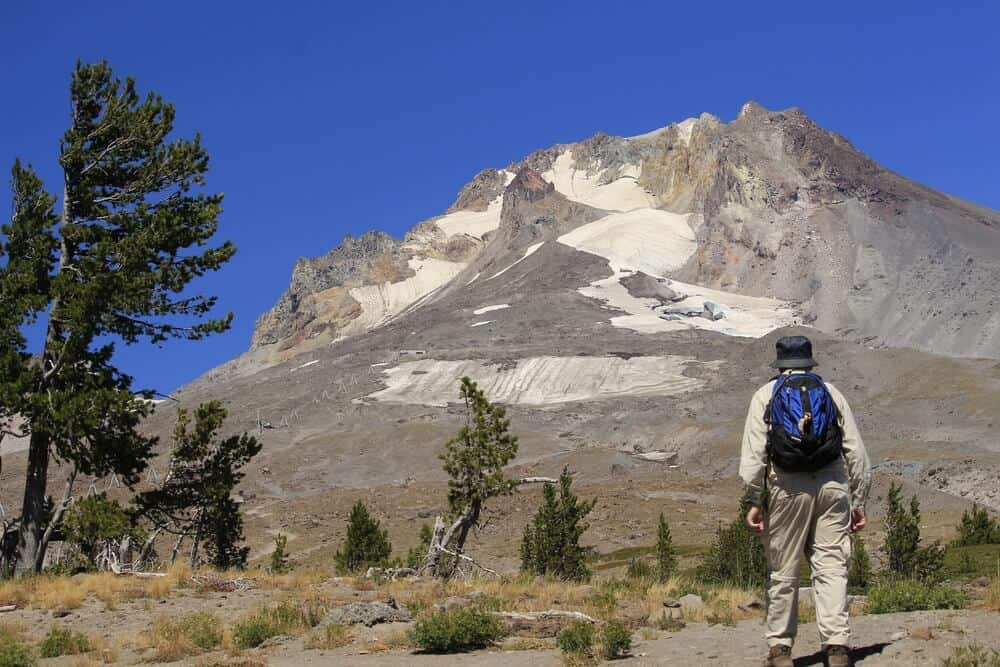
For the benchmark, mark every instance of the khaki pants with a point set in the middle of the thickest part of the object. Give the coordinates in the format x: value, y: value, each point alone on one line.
x: 808, y: 513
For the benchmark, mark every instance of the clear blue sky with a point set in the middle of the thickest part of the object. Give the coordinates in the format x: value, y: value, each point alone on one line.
x: 326, y: 118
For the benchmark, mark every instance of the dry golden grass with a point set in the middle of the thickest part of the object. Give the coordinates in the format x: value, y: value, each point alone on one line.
x: 329, y: 637
x: 528, y: 644
x: 722, y: 602
x: 173, y: 639
x: 292, y: 581
x: 60, y: 592
x: 991, y: 601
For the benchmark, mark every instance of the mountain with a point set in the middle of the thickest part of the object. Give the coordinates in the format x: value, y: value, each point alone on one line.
x: 622, y: 296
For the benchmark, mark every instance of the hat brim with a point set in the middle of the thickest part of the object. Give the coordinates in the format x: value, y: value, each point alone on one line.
x: 794, y: 363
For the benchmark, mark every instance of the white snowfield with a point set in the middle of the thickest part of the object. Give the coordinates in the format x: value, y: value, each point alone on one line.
x: 622, y: 194
x: 380, y: 303
x: 475, y: 223
x: 746, y: 316
x: 538, y: 380
x: 527, y: 253
x: 645, y: 240
x: 490, y: 309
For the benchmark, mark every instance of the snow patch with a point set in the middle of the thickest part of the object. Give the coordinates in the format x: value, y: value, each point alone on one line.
x: 473, y: 280
x: 479, y: 324
x: 538, y: 380
x: 622, y: 194
x: 645, y: 240
x: 305, y: 365
x: 746, y: 316
x: 527, y: 253
x: 487, y: 309
x: 380, y: 303
x: 474, y: 223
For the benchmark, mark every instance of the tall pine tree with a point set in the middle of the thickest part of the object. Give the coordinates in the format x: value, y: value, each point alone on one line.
x: 113, y: 264
x: 195, y: 500
x: 551, y: 542
x: 366, y: 543
x: 666, y: 554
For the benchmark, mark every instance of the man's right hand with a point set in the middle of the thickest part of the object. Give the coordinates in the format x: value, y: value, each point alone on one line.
x: 755, y: 519
x: 858, y: 520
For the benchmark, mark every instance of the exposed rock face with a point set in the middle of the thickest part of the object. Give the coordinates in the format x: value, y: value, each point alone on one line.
x: 486, y: 186
x: 356, y: 260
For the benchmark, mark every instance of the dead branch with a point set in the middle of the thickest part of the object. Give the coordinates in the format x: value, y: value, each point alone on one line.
x: 537, y: 480
x: 55, y: 521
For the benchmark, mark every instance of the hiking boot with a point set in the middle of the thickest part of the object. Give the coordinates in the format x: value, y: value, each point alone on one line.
x: 779, y: 656
x: 838, y: 656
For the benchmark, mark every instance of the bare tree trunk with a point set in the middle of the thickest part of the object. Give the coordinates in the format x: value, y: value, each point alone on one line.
x: 55, y: 521
x: 441, y: 540
x: 29, y: 539
x: 196, y: 540
x: 177, y: 547
x: 147, y: 547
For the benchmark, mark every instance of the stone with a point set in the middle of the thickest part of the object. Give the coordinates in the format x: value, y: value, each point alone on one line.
x: 277, y: 640
x: 672, y: 614
x: 693, y: 601
x: 371, y: 613
x: 713, y: 311
x: 671, y: 603
x: 540, y: 624
x: 452, y: 602
x: 685, y: 311
x: 752, y: 603
x: 898, y: 636
x: 923, y: 632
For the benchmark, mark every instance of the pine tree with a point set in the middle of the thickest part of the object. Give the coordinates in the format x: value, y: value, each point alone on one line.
x: 279, y: 557
x: 666, y: 554
x: 977, y: 527
x: 859, y: 574
x: 94, y: 520
x: 737, y: 557
x: 112, y: 265
x: 195, y: 499
x: 551, y: 543
x: 365, y: 545
x: 904, y: 555
x: 474, y: 461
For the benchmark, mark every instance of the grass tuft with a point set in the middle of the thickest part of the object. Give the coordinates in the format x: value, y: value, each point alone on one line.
x: 178, y: 638
x: 911, y: 595
x: 63, y: 641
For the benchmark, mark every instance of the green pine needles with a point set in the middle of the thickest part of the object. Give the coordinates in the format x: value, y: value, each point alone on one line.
x: 551, y: 542
x: 112, y: 265
x: 666, y: 554
x: 366, y: 543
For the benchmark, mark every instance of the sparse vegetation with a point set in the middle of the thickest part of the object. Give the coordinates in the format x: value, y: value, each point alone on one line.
x: 366, y: 543
x: 457, y: 630
x: 15, y: 651
x: 63, y: 641
x: 551, y: 542
x: 281, y: 619
x: 577, y: 639
x: 905, y: 594
x: 177, y: 638
x: 736, y: 558
x: 977, y: 527
x: 93, y: 521
x: 415, y: 556
x: 330, y: 636
x: 973, y: 655
x: 638, y: 568
x: 859, y: 572
x: 616, y: 640
x: 904, y: 555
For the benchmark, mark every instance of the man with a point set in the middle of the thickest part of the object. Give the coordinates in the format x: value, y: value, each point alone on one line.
x: 801, y: 443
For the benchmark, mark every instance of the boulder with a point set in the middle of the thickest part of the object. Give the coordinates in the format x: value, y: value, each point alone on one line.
x: 713, y: 311
x: 540, y: 624
x: 684, y: 311
x: 643, y: 286
x: 370, y: 613
x: 693, y: 601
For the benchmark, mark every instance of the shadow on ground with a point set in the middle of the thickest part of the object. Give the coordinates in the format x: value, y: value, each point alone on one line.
x: 858, y: 654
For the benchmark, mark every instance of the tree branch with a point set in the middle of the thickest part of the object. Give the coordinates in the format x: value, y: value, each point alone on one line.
x: 55, y: 521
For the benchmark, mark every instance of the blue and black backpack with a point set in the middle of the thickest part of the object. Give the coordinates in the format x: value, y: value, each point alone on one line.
x: 804, y: 431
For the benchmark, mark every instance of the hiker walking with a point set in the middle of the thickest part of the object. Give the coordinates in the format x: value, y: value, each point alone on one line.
x: 801, y: 445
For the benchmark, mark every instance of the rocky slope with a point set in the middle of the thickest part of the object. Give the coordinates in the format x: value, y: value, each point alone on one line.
x: 775, y: 206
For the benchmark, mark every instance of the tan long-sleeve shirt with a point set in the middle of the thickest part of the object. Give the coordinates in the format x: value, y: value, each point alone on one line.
x: 753, y: 455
